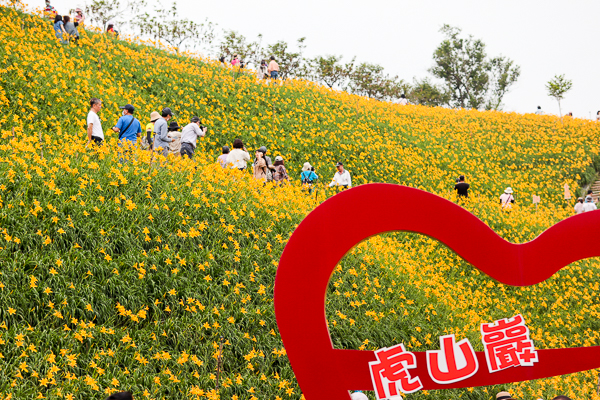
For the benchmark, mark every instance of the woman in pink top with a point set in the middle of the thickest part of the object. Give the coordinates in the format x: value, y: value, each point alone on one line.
x: 236, y: 61
x: 273, y: 68
x: 79, y: 17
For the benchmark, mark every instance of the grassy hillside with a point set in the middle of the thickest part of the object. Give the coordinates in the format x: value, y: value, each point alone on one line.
x: 126, y: 276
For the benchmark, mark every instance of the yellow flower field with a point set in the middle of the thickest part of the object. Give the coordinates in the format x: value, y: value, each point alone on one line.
x: 126, y: 276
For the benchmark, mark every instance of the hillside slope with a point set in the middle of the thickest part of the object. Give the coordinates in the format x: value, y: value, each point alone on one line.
x: 126, y: 276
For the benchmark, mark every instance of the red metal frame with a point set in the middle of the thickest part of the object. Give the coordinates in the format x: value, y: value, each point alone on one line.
x: 340, y: 223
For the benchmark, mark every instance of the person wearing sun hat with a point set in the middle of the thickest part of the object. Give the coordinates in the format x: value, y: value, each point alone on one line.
x: 504, y: 396
x: 308, y: 176
x: 79, y: 17
x: 147, y: 140
x: 579, y: 206
x: 507, y: 199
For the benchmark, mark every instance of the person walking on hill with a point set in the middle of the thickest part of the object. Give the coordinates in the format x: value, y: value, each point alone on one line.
x: 128, y: 127
x: 71, y: 28
x: 222, y: 159
x: 589, y: 204
x: 59, y: 29
x: 263, y: 149
x: 189, y: 136
x: 462, y: 187
x: 263, y: 71
x: 94, y: 125
x: 238, y: 157
x: 273, y: 68
x: 175, y: 145
x: 507, y: 199
x: 539, y: 111
x: 579, y: 206
x: 280, y: 174
x: 260, y: 167
x: 308, y: 176
x: 161, y: 132
x: 341, y: 177
x: 147, y: 140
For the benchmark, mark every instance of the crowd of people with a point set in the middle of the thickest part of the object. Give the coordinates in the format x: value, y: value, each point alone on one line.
x: 65, y: 26
x: 507, y: 199
x: 265, y: 70
x: 166, y: 138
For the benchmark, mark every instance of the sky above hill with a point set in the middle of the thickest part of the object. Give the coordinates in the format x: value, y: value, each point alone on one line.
x: 545, y: 37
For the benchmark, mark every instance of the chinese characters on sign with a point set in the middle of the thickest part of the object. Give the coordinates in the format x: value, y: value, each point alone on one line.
x: 506, y: 343
x: 389, y: 373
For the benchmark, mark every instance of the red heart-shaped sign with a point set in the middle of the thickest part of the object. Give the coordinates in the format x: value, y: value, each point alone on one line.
x: 345, y: 220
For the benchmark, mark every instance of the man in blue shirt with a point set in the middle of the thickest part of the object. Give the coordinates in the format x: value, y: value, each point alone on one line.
x: 129, y: 127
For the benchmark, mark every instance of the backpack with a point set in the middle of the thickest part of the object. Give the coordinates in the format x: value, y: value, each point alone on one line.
x: 306, y: 177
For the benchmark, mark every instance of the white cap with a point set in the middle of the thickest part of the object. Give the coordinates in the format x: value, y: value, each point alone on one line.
x: 360, y: 396
x: 306, y: 166
x: 508, y: 190
x: 278, y: 158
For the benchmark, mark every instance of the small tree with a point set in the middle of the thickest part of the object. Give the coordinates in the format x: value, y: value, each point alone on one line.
x: 165, y: 24
x: 471, y: 79
x: 329, y: 71
x: 557, y: 88
x: 234, y: 43
x: 426, y: 93
x: 371, y: 81
x: 99, y: 12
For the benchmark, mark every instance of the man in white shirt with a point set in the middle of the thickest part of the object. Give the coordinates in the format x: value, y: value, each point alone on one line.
x: 94, y: 126
x: 341, y: 177
x: 589, y: 204
x: 403, y: 100
x: 190, y: 133
x: 539, y: 111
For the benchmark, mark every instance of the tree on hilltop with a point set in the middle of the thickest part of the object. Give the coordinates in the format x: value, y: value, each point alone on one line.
x: 165, y: 24
x: 370, y: 80
x: 100, y: 12
x: 471, y: 79
x: 329, y: 70
x: 426, y: 93
x: 234, y: 43
x: 557, y: 88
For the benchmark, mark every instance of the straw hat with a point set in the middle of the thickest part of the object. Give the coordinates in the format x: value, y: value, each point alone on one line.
x: 154, y: 116
x: 306, y: 166
x: 503, y: 396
